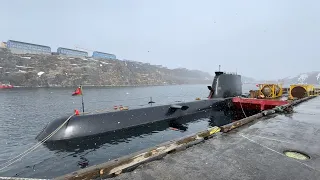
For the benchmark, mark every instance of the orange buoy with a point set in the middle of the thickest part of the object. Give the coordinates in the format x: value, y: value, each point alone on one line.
x: 76, y: 112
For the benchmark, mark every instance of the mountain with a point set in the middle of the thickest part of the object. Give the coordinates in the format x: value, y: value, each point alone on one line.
x: 248, y: 79
x: 35, y: 70
x: 303, y: 78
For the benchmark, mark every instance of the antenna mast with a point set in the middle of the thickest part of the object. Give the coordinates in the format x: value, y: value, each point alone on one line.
x: 219, y: 67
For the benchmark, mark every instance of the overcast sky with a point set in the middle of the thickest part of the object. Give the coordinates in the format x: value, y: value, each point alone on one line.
x: 262, y: 39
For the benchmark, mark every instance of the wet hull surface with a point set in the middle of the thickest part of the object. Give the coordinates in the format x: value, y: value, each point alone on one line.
x: 95, y: 124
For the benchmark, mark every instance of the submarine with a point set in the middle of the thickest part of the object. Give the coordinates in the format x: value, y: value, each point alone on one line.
x: 224, y: 87
x: 181, y: 124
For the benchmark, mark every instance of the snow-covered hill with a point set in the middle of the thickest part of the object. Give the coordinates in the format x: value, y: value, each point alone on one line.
x: 303, y: 78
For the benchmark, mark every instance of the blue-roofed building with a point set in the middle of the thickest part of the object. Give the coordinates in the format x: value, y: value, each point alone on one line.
x: 24, y: 48
x: 72, y: 52
x: 101, y: 55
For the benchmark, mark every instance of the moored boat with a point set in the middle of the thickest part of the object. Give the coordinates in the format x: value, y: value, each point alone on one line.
x: 5, y: 86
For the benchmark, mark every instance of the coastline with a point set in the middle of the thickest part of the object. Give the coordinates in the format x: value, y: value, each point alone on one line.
x: 91, y: 86
x: 41, y: 71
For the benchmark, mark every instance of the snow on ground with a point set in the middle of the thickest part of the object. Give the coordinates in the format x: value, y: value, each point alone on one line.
x: 40, y: 73
x: 104, y: 62
x: 302, y: 78
x: 26, y: 57
x: 21, y: 71
x: 318, y: 76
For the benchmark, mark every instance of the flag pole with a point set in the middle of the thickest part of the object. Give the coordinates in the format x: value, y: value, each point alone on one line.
x: 82, y: 99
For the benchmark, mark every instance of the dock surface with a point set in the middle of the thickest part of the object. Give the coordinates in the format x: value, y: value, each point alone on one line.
x: 253, y: 151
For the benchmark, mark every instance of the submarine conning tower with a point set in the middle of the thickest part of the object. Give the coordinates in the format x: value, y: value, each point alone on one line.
x: 225, y: 85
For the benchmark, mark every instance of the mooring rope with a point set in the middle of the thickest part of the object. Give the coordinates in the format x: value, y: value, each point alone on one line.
x: 266, y: 147
x: 242, y: 109
x: 13, y: 160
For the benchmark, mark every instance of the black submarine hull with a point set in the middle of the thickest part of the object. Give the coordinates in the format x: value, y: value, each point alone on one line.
x: 223, y: 87
x: 80, y: 145
x: 94, y: 124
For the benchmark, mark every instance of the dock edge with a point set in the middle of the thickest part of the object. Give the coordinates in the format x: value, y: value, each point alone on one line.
x: 130, y: 162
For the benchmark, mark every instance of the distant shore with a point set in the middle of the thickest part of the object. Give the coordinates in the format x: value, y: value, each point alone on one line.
x: 90, y: 86
x: 42, y: 71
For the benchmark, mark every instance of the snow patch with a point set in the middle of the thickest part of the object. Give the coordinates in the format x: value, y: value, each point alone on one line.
x: 318, y: 76
x: 24, y: 67
x: 26, y: 57
x: 40, y: 73
x: 302, y: 78
x: 104, y: 62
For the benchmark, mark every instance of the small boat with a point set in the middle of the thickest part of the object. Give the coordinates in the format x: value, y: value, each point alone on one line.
x: 6, y: 86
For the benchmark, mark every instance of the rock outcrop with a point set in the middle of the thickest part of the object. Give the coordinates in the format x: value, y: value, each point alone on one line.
x: 33, y: 70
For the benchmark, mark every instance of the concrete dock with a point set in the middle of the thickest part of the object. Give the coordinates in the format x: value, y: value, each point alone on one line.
x: 253, y: 151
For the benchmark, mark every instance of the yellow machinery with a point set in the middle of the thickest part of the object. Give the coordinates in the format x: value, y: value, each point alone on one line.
x: 298, y: 91
x: 270, y: 91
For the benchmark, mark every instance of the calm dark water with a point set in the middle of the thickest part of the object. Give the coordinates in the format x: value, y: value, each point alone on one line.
x: 24, y: 113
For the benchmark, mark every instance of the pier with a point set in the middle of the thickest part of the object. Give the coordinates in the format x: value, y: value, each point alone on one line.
x: 266, y: 145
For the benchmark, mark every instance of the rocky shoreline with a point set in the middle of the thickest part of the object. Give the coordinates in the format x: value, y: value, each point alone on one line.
x: 34, y: 70
x: 88, y: 86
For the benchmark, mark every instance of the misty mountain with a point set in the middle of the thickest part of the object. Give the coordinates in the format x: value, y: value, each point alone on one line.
x: 303, y: 78
x: 179, y: 72
x: 248, y: 79
x: 35, y: 70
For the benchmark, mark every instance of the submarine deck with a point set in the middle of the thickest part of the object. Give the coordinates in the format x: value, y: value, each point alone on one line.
x: 253, y: 151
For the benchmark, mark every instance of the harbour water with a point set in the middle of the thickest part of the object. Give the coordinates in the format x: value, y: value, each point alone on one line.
x: 24, y: 113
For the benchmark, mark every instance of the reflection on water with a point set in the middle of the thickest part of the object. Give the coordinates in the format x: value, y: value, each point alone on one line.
x: 123, y: 140
x: 124, y: 135
x: 112, y: 138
